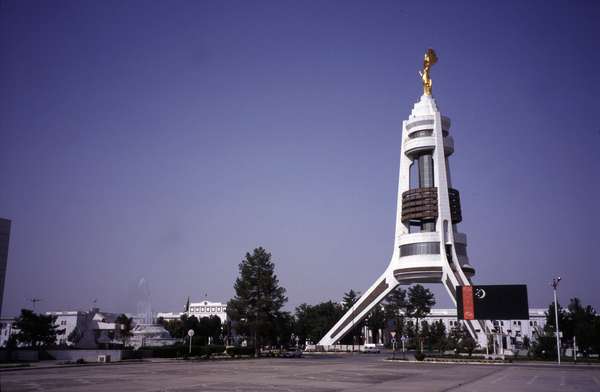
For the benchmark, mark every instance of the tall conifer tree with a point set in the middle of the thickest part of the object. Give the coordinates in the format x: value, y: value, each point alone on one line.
x: 258, y: 300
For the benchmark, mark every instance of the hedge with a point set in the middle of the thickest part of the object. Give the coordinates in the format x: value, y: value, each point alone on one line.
x: 236, y: 351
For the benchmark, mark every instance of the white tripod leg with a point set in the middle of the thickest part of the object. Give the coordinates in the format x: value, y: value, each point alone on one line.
x: 373, y: 296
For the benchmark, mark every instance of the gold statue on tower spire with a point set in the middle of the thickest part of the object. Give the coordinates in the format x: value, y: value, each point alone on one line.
x: 428, y: 61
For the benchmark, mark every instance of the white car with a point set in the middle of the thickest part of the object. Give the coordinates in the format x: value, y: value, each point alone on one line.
x: 370, y: 348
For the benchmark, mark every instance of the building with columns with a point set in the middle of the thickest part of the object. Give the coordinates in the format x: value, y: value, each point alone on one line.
x: 199, y: 309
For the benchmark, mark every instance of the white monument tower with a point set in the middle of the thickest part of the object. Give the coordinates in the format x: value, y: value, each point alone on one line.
x: 428, y: 248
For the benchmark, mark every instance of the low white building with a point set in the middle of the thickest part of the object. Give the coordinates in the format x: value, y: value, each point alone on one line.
x: 150, y: 335
x: 169, y: 316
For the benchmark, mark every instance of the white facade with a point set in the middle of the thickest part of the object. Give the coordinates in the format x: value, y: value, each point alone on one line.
x: 66, y: 321
x: 515, y: 329
x: 207, y: 309
x: 199, y: 310
x: 7, y: 329
x: 169, y: 316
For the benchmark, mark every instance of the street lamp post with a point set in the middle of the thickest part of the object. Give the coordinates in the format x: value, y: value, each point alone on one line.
x: 555, y: 286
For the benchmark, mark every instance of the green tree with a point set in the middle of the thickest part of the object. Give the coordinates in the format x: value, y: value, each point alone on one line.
x: 426, y: 338
x: 36, y: 330
x: 258, y: 298
x: 348, y: 301
x: 454, y: 339
x: 313, y: 322
x: 376, y: 321
x: 123, y: 328
x: 394, y: 307
x: 467, y: 342
x: 579, y: 324
x: 175, y: 327
x: 595, y: 335
x: 438, y: 336
x: 550, y: 327
x: 209, y: 327
x: 460, y: 340
x: 284, y: 328
x: 420, y: 301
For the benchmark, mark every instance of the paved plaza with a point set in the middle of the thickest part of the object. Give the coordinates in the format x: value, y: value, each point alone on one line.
x: 322, y: 374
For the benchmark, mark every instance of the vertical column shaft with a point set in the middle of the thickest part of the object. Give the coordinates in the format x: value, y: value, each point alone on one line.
x: 426, y: 181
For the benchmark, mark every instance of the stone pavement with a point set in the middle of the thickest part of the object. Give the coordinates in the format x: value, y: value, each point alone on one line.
x: 314, y: 374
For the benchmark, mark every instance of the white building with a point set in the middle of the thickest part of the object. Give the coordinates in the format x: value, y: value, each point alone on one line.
x: 67, y: 321
x: 513, y: 331
x: 7, y: 328
x: 207, y: 309
x: 199, y: 310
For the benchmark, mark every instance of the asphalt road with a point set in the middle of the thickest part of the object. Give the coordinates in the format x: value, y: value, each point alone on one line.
x: 314, y: 374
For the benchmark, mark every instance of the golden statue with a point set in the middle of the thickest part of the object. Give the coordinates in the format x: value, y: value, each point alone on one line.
x: 428, y: 61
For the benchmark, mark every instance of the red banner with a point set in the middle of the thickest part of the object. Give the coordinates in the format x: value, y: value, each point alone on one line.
x: 467, y: 299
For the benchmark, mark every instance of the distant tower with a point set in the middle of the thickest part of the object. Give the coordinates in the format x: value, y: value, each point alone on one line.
x: 4, y: 239
x: 428, y: 247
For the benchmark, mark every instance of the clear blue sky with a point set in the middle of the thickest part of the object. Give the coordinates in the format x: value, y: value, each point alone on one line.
x: 165, y: 139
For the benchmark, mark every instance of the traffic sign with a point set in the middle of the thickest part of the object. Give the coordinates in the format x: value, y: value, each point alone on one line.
x: 191, y: 333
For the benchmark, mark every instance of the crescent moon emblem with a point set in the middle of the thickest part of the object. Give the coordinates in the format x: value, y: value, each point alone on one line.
x: 480, y: 293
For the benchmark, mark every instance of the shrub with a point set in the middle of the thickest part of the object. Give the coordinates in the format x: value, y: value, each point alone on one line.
x: 419, y: 356
x: 215, y: 349
x: 236, y: 351
x: 169, y: 351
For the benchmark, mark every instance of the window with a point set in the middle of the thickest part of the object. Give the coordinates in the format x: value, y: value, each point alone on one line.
x: 212, y: 309
x: 531, y: 323
x: 202, y: 308
x: 218, y: 309
x: 420, y: 248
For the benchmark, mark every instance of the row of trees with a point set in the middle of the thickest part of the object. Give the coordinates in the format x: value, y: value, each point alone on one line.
x: 205, y: 329
x: 579, y: 325
x: 256, y: 312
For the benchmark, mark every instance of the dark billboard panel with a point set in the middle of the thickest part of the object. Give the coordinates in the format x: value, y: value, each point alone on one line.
x: 492, y: 302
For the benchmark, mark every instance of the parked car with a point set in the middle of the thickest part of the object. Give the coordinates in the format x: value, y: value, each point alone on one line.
x: 370, y: 348
x: 293, y: 352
